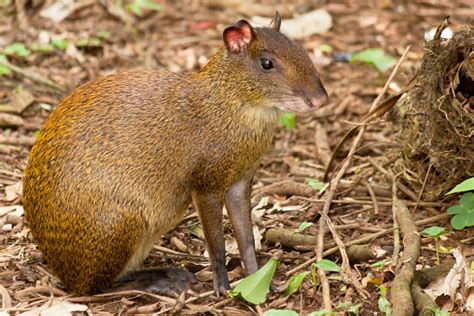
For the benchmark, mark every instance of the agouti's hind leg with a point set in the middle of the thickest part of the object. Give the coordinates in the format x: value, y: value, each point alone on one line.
x: 170, y: 281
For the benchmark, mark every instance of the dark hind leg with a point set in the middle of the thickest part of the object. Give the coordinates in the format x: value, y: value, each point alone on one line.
x: 170, y: 281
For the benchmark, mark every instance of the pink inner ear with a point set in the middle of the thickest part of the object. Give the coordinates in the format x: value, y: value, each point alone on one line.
x: 246, y: 33
x: 238, y: 37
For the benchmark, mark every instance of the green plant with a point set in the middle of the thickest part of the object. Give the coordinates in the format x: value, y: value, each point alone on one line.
x: 326, y: 48
x: 287, y: 120
x: 59, y: 43
x: 374, y: 57
x: 321, y: 312
x: 383, y: 303
x: 295, y: 282
x: 328, y: 265
x: 303, y: 226
x: 254, y: 288
x: 3, y: 69
x: 466, y: 185
x: 18, y: 49
x: 464, y: 212
x: 438, y: 312
x: 138, y: 6
x: 280, y: 312
x: 315, y: 184
x: 435, y: 232
x: 42, y: 48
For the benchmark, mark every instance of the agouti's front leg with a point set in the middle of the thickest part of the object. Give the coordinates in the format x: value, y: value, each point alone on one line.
x: 237, y: 203
x: 209, y: 206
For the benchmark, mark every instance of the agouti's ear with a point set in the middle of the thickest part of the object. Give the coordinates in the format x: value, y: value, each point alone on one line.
x: 276, y: 22
x: 238, y: 36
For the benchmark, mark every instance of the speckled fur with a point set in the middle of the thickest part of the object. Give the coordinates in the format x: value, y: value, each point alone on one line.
x: 118, y: 159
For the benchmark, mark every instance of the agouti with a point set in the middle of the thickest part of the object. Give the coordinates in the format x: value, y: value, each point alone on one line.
x: 120, y: 159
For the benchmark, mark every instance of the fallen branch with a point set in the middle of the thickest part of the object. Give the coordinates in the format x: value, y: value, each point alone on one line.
x: 32, y: 75
x: 401, y: 297
x: 365, y: 239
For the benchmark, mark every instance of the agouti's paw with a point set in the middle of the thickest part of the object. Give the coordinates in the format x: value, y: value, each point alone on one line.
x: 221, y: 286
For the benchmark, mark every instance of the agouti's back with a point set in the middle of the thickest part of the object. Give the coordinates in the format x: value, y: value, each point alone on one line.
x: 120, y: 159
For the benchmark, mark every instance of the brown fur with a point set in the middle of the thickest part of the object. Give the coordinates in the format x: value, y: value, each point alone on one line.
x: 118, y: 161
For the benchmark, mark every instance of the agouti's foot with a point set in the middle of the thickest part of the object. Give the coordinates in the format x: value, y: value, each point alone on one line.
x: 164, y: 281
x: 221, y: 285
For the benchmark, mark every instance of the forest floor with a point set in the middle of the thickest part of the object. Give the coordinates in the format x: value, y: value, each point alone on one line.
x: 96, y: 39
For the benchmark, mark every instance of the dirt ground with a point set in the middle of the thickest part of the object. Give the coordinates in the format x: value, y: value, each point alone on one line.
x: 182, y: 37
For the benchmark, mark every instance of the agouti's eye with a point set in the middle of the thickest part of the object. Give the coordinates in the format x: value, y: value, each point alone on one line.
x: 266, y: 64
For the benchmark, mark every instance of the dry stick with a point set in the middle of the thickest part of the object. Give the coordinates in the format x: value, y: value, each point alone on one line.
x: 422, y: 188
x: 385, y: 203
x: 350, y: 277
x: 330, y: 194
x: 32, y: 75
x: 396, y: 230
x: 372, y: 197
x: 401, y: 297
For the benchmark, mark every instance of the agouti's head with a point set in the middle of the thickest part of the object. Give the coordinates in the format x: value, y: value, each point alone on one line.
x: 277, y: 67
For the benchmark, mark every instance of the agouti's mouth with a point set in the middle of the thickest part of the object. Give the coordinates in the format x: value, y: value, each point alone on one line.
x: 304, y: 103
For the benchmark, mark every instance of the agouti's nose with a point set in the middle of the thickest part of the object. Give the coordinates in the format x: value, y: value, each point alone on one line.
x: 319, y: 100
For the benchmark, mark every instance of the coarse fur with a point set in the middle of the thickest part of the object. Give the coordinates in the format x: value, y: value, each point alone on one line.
x: 121, y: 158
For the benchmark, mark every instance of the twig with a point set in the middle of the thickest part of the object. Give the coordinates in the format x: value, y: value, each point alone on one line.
x: 32, y: 75
x: 396, y: 230
x: 349, y: 275
x: 422, y: 187
x: 372, y: 197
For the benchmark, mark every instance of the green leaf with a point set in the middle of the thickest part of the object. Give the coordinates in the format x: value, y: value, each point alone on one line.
x: 18, y: 49
x: 287, y: 120
x: 438, y: 312
x: 328, y: 265
x: 295, y: 282
x: 466, y: 185
x: 464, y: 212
x: 59, y: 43
x: 255, y: 287
x: 354, y: 309
x: 3, y: 69
x: 303, y: 226
x: 336, y: 277
x: 88, y: 42
x: 325, y: 48
x: 375, y: 57
x: 321, y: 312
x: 433, y: 231
x: 103, y: 34
x: 315, y: 184
x: 383, y: 304
x: 379, y: 264
x: 196, y: 229
x: 280, y: 312
x: 138, y: 5
x: 42, y: 48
